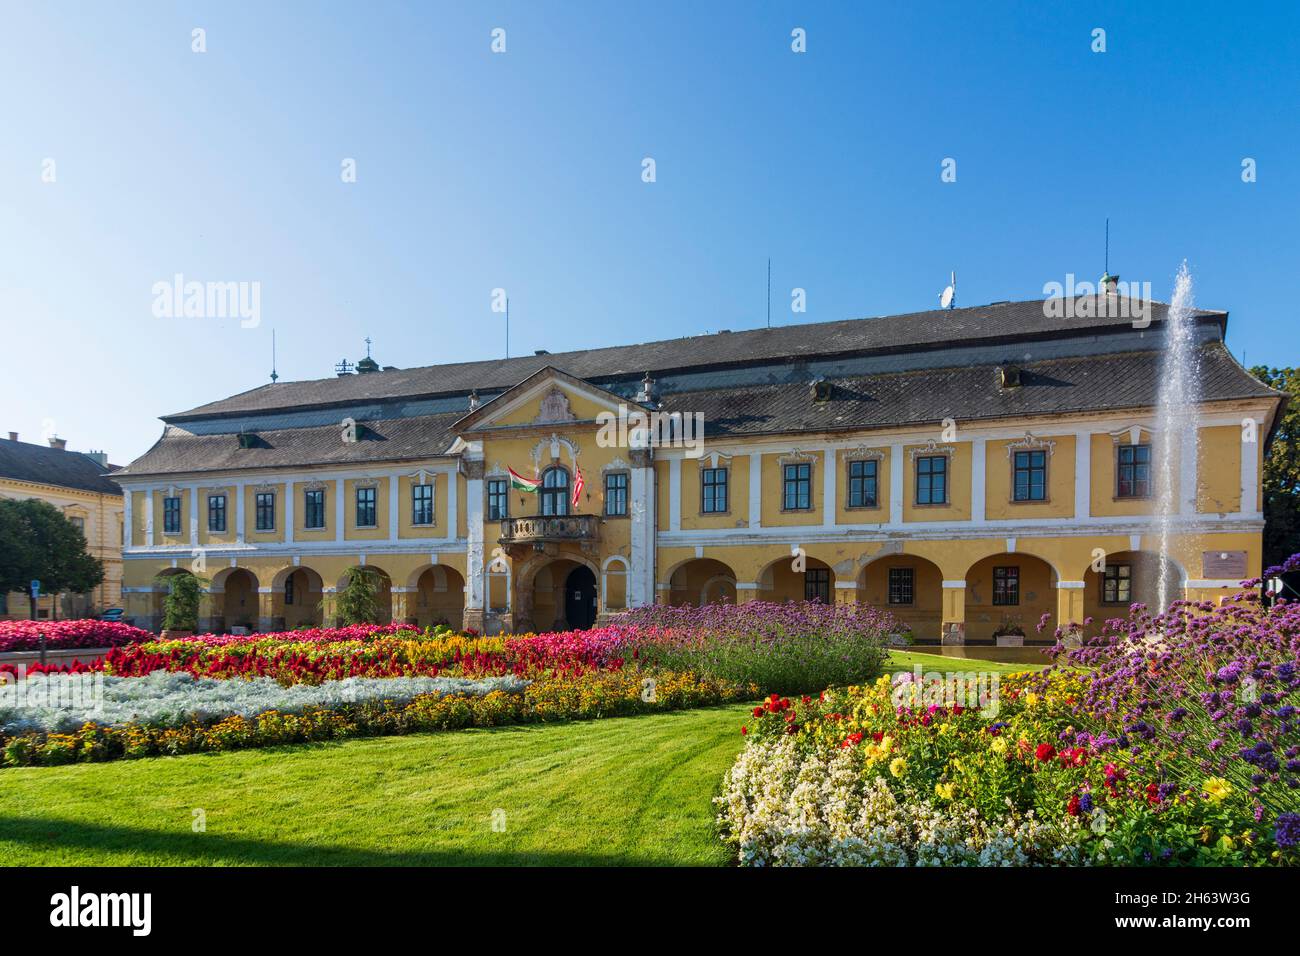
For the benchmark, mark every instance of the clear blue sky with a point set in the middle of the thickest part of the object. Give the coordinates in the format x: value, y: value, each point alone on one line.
x: 523, y: 171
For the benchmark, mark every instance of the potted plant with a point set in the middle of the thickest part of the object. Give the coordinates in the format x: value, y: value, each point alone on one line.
x: 181, y: 605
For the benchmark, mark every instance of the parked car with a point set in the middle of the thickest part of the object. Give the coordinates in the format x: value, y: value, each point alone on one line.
x: 111, y: 614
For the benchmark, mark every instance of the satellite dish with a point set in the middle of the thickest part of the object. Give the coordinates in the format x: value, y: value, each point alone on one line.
x: 947, y: 295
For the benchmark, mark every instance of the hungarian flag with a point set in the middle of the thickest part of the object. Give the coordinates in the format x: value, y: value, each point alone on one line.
x: 523, y: 484
x: 578, y: 484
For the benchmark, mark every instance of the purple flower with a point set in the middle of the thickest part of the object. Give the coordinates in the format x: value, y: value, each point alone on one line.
x: 1286, y: 833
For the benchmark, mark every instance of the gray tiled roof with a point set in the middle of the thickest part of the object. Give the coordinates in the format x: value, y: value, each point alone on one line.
x: 399, y: 439
x: 23, y: 461
x: 970, y: 393
x: 1001, y: 322
x: 1102, y: 383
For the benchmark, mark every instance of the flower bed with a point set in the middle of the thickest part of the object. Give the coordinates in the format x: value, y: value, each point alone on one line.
x: 787, y: 648
x: 64, y: 702
x: 25, y: 635
x: 588, y: 696
x: 1171, y: 739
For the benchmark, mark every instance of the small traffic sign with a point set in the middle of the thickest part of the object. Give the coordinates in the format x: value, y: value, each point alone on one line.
x: 36, y: 588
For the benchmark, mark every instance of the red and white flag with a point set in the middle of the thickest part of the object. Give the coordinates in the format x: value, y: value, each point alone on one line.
x: 578, y: 484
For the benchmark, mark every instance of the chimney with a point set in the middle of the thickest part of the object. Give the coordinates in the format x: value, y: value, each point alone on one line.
x: 13, y: 436
x: 1109, y: 284
x: 98, y: 457
x: 60, y: 443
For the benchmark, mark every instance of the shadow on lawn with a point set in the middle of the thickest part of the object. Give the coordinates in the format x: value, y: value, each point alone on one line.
x: 47, y: 835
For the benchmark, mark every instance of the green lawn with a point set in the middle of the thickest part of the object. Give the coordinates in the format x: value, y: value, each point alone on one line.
x: 633, y: 790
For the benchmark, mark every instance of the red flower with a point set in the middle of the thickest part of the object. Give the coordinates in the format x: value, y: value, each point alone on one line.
x: 1045, y: 752
x: 851, y: 740
x: 1072, y: 808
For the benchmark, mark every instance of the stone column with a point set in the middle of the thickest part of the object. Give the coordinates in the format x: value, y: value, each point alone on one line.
x: 329, y: 607
x: 641, y: 566
x: 1069, y: 611
x: 401, y: 606
x: 746, y: 591
x: 266, y: 616
x: 210, y: 609
x: 475, y: 577
x: 846, y: 592
x: 953, y: 628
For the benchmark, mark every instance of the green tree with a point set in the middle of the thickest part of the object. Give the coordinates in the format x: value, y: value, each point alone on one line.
x: 181, y: 605
x: 1282, y: 470
x: 38, y: 542
x: 358, y: 602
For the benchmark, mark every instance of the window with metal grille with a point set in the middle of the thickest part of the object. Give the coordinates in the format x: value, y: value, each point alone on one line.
x: 1134, y: 467
x: 817, y: 585
x: 1030, y: 476
x: 901, y: 585
x: 365, y: 507
x: 616, y: 494
x: 217, y: 513
x: 288, y: 590
x: 313, y: 512
x: 422, y: 504
x: 932, y: 480
x: 498, y: 499
x: 862, y: 483
x: 1006, y: 586
x: 713, y: 491
x: 264, y: 511
x: 796, y: 494
x: 171, y: 516
x: 1117, y: 584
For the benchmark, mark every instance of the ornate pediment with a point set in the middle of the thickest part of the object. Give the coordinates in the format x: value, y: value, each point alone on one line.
x: 1030, y: 443
x: 931, y: 448
x: 554, y: 408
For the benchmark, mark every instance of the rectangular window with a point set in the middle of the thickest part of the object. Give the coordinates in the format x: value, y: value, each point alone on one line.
x: 1117, y: 584
x: 313, y: 510
x: 288, y: 590
x: 1006, y: 586
x: 932, y: 480
x: 796, y: 494
x: 901, y: 585
x: 422, y: 504
x: 365, y: 507
x: 1134, y: 466
x: 817, y: 585
x: 171, y: 516
x: 1030, y: 482
x: 498, y: 499
x: 713, y: 491
x: 862, y: 484
x: 79, y: 524
x: 616, y: 494
x: 217, y: 513
x: 265, y: 511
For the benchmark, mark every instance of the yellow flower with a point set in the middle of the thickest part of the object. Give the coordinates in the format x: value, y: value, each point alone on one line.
x: 999, y: 745
x: 898, y: 766
x: 1030, y: 699
x: 944, y: 790
x: 1225, y: 843
x: 1217, y: 788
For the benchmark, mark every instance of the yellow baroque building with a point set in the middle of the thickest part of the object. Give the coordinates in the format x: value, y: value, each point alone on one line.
x: 75, y: 483
x: 971, y: 470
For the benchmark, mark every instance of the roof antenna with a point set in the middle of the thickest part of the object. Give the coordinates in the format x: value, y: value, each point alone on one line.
x: 769, y: 292
x: 507, y: 326
x: 1107, y: 268
x: 949, y: 295
x: 274, y: 376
